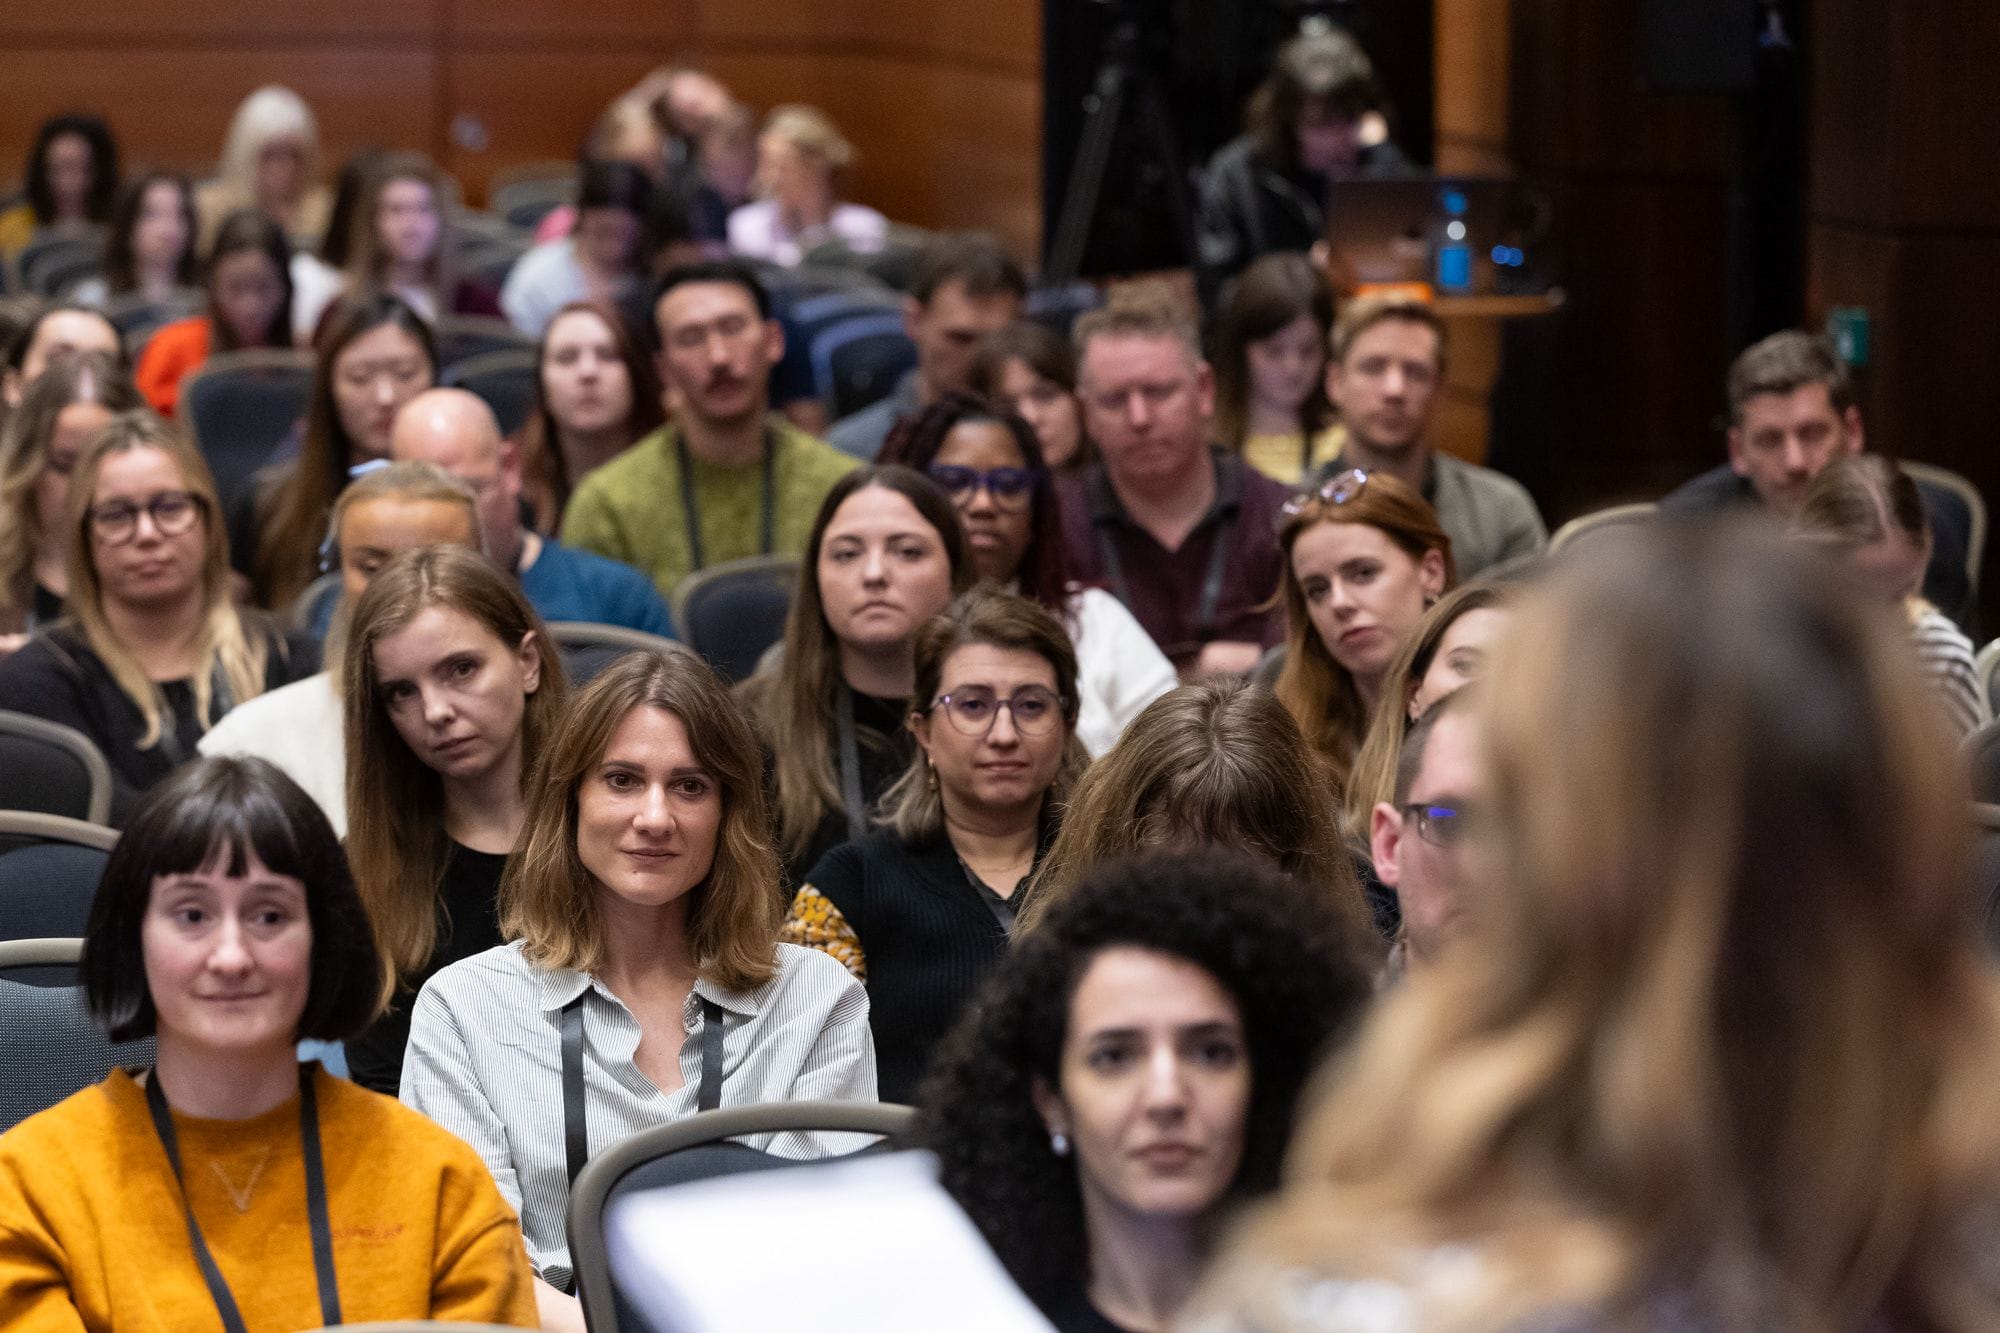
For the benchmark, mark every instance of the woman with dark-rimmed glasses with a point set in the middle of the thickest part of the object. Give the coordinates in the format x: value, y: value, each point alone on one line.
x: 921, y: 907
x: 991, y: 465
x: 151, y: 650
x: 1364, y: 556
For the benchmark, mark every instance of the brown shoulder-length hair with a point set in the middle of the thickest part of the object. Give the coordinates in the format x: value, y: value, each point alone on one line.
x: 792, y: 702
x: 1373, y: 778
x: 1216, y: 763
x: 1327, y: 71
x: 549, y: 899
x: 1274, y: 291
x: 228, y: 653
x: 985, y: 616
x: 292, y: 520
x: 1318, y: 692
x: 365, y: 256
x: 395, y: 830
x: 546, y: 469
x: 86, y: 377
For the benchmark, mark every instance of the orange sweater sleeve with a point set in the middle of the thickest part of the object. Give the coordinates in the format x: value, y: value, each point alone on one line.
x: 172, y: 354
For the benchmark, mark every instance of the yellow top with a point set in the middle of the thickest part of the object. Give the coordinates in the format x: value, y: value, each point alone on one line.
x: 92, y: 1235
x: 1280, y: 457
x: 17, y: 228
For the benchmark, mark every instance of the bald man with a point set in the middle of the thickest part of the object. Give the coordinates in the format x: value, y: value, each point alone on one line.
x: 456, y: 431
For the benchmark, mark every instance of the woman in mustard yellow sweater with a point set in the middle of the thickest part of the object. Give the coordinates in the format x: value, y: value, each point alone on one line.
x: 230, y: 1185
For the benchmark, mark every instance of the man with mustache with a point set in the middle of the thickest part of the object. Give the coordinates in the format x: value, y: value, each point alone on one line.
x: 1385, y: 375
x: 724, y: 478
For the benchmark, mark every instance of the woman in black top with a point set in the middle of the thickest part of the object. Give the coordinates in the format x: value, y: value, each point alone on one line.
x: 921, y: 907
x: 886, y: 553
x: 1128, y: 1076
x: 450, y: 687
x: 151, y: 651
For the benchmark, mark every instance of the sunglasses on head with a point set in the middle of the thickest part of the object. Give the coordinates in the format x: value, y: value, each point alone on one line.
x: 1335, y: 490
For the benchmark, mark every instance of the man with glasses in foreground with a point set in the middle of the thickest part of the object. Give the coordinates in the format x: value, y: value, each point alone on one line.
x: 1385, y: 375
x: 1419, y: 841
x: 723, y: 479
x: 1179, y: 530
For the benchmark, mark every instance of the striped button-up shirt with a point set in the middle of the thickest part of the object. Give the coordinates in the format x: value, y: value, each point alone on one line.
x: 485, y: 1061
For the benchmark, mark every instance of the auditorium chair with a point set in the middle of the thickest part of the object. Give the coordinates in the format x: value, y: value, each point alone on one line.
x: 690, y: 1150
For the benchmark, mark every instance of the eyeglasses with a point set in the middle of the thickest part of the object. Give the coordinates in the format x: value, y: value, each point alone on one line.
x: 1335, y: 490
x: 1009, y: 486
x: 1034, y: 708
x: 1441, y: 825
x: 173, y: 513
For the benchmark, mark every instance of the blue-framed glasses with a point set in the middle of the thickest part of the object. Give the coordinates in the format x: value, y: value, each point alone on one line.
x: 1009, y: 486
x: 1440, y: 825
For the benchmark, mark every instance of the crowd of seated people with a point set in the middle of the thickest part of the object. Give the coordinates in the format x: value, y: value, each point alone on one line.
x: 1291, y: 896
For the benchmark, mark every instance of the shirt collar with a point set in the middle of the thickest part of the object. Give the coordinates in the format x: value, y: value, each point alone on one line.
x: 557, y: 986
x: 1104, y: 504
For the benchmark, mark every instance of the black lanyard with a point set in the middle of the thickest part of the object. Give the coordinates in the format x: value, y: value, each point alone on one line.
x: 322, y: 1226
x: 1211, y: 584
x: 691, y: 512
x: 576, y: 1130
x: 850, y: 764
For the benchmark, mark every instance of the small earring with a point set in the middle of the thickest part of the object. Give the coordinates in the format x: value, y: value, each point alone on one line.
x: 930, y: 774
x: 1059, y: 1143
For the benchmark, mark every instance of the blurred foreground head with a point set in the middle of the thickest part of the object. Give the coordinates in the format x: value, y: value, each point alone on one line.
x: 1716, y: 1030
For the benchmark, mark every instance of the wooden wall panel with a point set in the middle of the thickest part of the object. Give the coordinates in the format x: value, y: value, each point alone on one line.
x: 983, y: 174
x: 998, y: 34
x: 1906, y: 114
x: 217, y: 22
x: 654, y: 27
x: 1470, y: 57
x: 171, y: 107
x: 532, y: 106
x: 940, y: 96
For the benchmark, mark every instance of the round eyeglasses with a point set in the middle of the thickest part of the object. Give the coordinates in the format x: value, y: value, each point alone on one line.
x: 1009, y: 486
x: 172, y: 512
x: 973, y: 708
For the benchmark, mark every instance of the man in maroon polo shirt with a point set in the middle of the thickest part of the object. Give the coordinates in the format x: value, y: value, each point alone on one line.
x: 1179, y: 530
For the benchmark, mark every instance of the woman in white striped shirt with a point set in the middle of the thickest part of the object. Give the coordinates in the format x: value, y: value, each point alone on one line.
x: 642, y: 902
x: 1869, y: 511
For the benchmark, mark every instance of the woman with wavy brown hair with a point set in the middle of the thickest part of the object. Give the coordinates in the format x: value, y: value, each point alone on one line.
x: 450, y: 687
x: 1714, y: 1047
x: 151, y: 650
x: 1365, y: 556
x: 374, y: 354
x: 1218, y: 763
x: 40, y: 445
x: 645, y: 980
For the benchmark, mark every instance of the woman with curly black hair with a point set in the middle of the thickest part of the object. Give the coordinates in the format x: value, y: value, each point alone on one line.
x: 1129, y: 1075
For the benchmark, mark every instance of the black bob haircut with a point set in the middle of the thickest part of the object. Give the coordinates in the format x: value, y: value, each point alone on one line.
x: 245, y: 807
x: 1266, y: 941
x: 732, y: 271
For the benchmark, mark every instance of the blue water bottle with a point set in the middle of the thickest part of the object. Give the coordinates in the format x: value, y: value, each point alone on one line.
x: 1451, y: 251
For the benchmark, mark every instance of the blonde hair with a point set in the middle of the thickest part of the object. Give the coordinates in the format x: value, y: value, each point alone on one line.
x: 1717, y: 1011
x: 1373, y: 777
x: 1217, y: 763
x: 813, y: 134
x: 224, y: 652
x: 1317, y: 691
x: 1150, y: 309
x: 548, y: 898
x: 912, y: 807
x: 87, y: 377
x: 271, y: 112
x: 395, y: 830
